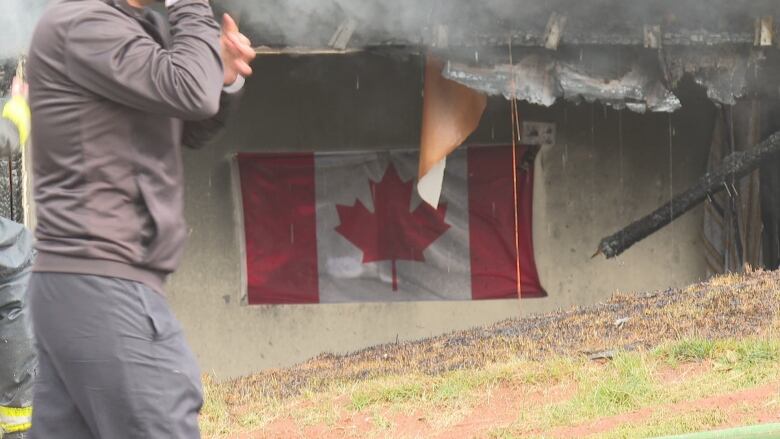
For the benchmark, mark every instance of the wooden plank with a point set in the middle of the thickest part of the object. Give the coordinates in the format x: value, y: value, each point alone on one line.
x: 738, y: 165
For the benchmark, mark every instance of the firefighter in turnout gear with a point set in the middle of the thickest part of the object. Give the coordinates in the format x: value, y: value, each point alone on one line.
x: 18, y: 362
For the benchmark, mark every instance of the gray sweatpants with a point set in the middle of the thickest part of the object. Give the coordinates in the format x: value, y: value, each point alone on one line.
x: 113, y: 363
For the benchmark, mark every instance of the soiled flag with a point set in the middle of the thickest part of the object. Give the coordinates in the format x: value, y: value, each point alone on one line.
x: 326, y: 228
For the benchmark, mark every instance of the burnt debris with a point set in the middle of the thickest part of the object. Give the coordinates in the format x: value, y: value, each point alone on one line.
x: 737, y: 165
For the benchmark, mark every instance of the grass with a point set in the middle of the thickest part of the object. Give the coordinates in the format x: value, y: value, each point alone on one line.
x: 695, y: 349
x: 623, y: 385
x: 441, y: 400
x: 631, y: 382
x: 628, y: 383
x: 663, y: 423
x: 729, y: 328
x: 381, y: 422
x: 666, y: 424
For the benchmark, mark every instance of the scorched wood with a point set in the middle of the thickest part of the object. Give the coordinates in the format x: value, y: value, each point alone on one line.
x: 738, y: 165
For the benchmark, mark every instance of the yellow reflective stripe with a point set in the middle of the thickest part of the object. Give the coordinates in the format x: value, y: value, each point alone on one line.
x: 16, y: 428
x: 15, y: 412
x: 15, y: 419
x: 17, y: 111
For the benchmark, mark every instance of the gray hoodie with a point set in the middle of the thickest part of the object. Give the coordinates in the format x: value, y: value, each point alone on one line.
x: 114, y: 93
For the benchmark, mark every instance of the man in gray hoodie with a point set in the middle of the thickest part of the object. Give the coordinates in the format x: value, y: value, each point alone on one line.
x: 115, y: 91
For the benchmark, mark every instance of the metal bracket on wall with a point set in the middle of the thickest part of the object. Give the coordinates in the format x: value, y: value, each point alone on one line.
x: 538, y: 133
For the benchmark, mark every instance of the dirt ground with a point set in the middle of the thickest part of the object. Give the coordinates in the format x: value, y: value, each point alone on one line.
x: 501, y: 409
x: 734, y: 307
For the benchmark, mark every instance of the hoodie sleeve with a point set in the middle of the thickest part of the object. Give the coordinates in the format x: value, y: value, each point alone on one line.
x: 112, y: 56
x: 198, y: 134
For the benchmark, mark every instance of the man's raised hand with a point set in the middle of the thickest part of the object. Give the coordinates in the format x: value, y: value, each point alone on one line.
x: 237, y: 51
x: 19, y: 87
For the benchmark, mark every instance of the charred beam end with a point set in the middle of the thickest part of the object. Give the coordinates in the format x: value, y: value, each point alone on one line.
x: 441, y: 37
x: 554, y: 31
x: 764, y: 34
x: 343, y: 34
x: 738, y: 165
x: 653, y: 36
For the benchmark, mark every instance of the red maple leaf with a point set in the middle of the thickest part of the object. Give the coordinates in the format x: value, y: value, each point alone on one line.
x: 392, y: 232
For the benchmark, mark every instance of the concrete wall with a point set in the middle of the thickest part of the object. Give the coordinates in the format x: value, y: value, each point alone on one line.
x: 588, y: 185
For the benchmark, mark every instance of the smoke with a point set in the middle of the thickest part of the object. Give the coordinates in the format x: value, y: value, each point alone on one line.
x: 17, y: 22
x: 312, y: 22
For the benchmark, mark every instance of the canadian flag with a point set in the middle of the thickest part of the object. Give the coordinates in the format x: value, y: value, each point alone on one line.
x: 350, y: 227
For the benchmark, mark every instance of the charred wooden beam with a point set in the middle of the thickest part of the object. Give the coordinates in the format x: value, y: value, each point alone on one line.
x: 653, y: 36
x: 737, y: 165
x: 554, y: 31
x: 481, y: 40
x: 596, y: 37
x: 302, y: 51
x: 765, y: 29
x: 343, y: 34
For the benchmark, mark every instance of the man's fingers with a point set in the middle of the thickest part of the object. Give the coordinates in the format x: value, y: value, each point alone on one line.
x: 228, y: 24
x: 243, y: 68
x: 240, y: 43
x: 244, y: 39
x: 236, y: 56
x: 239, y: 51
x: 18, y: 87
x: 240, y: 48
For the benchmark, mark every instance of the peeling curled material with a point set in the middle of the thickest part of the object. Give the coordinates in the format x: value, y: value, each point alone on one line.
x: 725, y: 74
x: 639, y: 90
x: 638, y: 81
x: 534, y: 79
x: 542, y: 80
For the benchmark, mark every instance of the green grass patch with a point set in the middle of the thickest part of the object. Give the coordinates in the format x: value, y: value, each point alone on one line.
x: 449, y: 388
x: 315, y: 409
x: 381, y: 422
x: 747, y: 353
x: 667, y: 424
x: 631, y: 381
x: 550, y: 372
x: 392, y: 390
x: 220, y: 417
x: 686, y: 351
x: 623, y: 385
